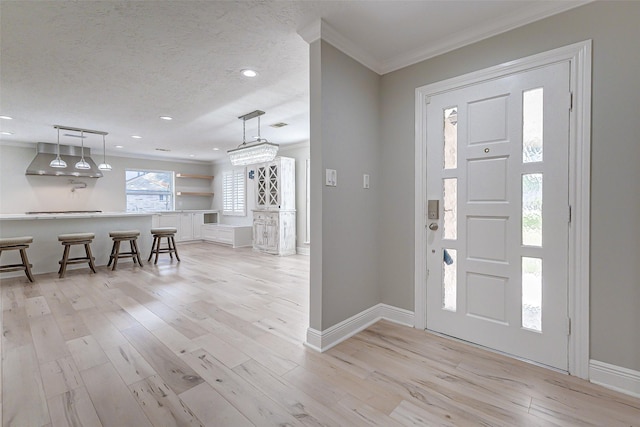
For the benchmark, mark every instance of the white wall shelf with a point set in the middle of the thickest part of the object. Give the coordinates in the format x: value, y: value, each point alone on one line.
x: 194, y: 193
x: 194, y: 176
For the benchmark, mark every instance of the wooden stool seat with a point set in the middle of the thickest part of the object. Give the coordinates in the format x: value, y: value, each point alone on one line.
x: 124, y: 235
x: 158, y: 233
x: 76, y: 239
x: 17, y: 244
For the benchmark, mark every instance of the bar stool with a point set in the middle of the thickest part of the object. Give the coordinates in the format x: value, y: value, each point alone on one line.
x: 76, y: 239
x: 14, y: 244
x: 158, y: 233
x: 120, y: 236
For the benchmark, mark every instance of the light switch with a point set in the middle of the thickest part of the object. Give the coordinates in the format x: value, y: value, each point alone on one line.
x: 331, y: 178
x: 365, y: 180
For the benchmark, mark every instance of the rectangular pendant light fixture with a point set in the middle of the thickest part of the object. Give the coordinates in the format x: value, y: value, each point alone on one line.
x: 258, y: 152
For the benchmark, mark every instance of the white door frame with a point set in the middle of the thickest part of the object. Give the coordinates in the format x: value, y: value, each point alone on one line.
x: 579, y: 56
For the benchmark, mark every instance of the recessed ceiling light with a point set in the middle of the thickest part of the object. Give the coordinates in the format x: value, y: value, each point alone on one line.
x: 192, y: 155
x: 216, y: 149
x: 136, y: 136
x: 6, y: 118
x: 249, y: 73
x: 166, y: 118
x: 6, y: 133
x: 279, y: 125
x: 119, y: 146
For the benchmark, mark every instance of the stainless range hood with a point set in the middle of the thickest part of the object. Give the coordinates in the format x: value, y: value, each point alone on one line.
x: 70, y: 154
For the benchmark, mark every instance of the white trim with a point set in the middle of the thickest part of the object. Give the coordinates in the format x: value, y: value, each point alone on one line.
x: 303, y: 250
x: 615, y: 377
x: 536, y: 12
x: 319, y: 29
x: 311, y: 32
x: 579, y: 56
x: 324, y: 340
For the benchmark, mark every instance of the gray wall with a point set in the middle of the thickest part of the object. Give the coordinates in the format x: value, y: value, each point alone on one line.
x: 346, y: 103
x: 615, y: 199
x: 300, y: 152
x: 20, y: 193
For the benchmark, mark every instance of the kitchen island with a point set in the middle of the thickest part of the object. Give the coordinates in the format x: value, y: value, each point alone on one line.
x: 45, y: 251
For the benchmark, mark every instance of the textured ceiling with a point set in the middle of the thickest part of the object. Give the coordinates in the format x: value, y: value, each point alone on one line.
x: 116, y: 66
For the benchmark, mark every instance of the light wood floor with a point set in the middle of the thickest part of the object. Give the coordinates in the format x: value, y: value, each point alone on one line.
x: 216, y: 340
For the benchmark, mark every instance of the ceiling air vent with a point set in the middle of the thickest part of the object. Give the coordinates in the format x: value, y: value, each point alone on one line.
x: 279, y: 125
x: 162, y: 149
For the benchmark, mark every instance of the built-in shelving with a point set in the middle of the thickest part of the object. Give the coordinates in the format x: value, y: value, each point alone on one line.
x: 193, y: 193
x: 193, y: 176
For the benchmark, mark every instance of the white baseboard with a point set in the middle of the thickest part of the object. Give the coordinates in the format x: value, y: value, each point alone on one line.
x: 324, y: 340
x: 615, y: 377
x: 303, y: 250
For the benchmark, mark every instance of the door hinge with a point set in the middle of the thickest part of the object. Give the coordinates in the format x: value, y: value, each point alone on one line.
x: 569, y: 214
x: 568, y: 326
x: 570, y: 101
x: 427, y: 100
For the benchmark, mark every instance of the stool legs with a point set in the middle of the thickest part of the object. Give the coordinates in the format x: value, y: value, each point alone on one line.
x: 63, y: 263
x: 175, y: 248
x: 27, y: 266
x: 134, y: 250
x: 116, y: 254
x: 88, y: 258
x: 156, y: 249
x: 87, y: 250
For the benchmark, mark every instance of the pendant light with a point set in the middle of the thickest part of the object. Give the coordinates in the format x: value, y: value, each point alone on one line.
x: 259, y: 152
x: 82, y: 164
x: 104, y: 166
x: 58, y: 162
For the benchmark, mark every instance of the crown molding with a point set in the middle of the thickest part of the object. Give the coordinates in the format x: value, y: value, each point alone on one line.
x: 539, y: 10
x: 536, y: 12
x: 321, y: 30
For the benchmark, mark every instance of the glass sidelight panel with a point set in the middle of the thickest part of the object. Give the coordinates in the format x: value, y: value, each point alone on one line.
x: 532, y: 209
x: 449, y: 283
x: 450, y: 197
x: 532, y: 293
x: 532, y: 125
x: 451, y: 138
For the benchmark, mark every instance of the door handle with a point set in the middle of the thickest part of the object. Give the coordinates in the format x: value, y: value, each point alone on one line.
x: 433, y: 226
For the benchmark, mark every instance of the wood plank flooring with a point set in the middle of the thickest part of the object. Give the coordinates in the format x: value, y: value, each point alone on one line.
x: 216, y: 340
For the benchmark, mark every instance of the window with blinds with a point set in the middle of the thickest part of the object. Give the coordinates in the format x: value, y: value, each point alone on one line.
x: 234, y: 192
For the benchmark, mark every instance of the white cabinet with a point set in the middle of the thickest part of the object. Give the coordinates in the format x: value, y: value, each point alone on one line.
x: 185, y: 230
x: 188, y: 225
x: 274, y: 219
x: 166, y: 220
x: 274, y: 232
x: 236, y: 236
x: 276, y: 184
x: 197, y: 223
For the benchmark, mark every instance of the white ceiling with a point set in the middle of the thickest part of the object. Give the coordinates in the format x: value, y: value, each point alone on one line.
x: 116, y: 66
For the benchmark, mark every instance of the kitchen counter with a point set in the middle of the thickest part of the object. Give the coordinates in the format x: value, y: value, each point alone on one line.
x: 45, y: 251
x: 79, y: 215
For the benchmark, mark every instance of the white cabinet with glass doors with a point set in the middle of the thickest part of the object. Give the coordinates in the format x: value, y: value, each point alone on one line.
x: 274, y: 219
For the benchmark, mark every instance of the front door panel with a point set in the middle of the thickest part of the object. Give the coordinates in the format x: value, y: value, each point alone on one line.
x: 497, y: 159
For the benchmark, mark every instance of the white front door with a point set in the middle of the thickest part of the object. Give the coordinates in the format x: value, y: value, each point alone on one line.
x: 497, y: 255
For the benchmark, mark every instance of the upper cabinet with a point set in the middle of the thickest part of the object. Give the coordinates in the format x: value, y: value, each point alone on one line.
x: 184, y: 189
x: 276, y: 184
